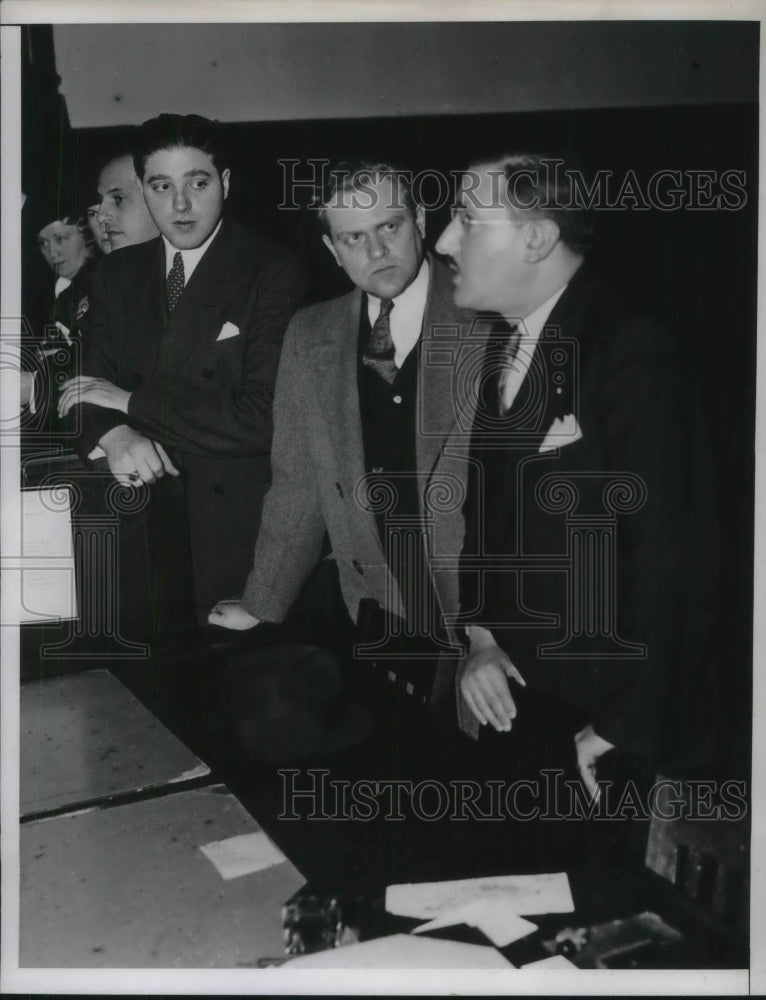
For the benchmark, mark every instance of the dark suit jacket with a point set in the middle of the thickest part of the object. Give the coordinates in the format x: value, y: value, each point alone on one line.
x: 59, y: 355
x: 318, y: 459
x: 72, y: 304
x: 206, y: 399
x: 619, y: 495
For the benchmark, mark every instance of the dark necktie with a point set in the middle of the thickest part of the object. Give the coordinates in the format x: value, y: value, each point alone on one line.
x: 507, y: 365
x: 174, y: 285
x: 379, y: 350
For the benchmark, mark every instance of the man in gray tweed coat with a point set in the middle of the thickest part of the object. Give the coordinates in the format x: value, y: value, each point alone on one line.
x: 371, y: 431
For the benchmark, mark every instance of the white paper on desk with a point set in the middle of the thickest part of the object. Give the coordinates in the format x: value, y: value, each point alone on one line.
x: 522, y: 894
x: 492, y: 917
x: 553, y: 962
x: 402, y: 951
x: 48, y: 590
x: 243, y: 855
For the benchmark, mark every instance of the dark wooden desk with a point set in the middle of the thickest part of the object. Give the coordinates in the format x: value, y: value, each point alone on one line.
x: 86, y: 739
x: 129, y: 887
x: 356, y: 859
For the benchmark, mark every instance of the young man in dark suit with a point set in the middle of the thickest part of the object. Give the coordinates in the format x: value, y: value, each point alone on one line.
x: 182, y: 339
x: 576, y: 569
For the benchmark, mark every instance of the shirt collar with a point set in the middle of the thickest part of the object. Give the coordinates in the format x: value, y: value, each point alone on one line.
x: 532, y: 325
x: 61, y: 284
x: 410, y: 305
x: 190, y: 257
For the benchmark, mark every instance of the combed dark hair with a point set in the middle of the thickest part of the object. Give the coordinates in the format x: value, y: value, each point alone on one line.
x: 170, y: 131
x: 357, y: 175
x: 547, y: 187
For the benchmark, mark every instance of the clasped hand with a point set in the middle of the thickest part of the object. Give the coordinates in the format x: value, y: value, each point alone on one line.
x: 231, y: 614
x: 134, y: 458
x: 96, y: 391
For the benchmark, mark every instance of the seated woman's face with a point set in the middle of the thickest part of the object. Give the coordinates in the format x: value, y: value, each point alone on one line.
x: 63, y: 248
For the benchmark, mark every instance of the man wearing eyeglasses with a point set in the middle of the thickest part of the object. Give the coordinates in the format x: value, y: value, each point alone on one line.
x: 363, y: 423
x: 572, y: 579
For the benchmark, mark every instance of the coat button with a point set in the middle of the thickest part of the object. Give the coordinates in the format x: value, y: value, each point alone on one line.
x: 207, y: 373
x: 357, y: 567
x: 397, y: 399
x: 219, y: 491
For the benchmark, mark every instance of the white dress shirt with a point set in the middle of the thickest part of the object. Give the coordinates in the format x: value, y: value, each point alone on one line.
x: 190, y: 257
x: 406, y: 318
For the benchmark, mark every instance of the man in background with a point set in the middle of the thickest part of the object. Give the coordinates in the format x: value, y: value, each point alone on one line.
x: 122, y: 213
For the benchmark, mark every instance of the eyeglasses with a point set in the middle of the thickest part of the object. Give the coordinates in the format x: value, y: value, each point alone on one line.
x: 459, y: 212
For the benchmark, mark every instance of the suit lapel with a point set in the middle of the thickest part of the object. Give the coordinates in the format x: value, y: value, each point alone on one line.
x: 336, y: 375
x: 143, y: 308
x: 210, y: 287
x: 555, y: 400
x: 436, y: 413
x: 335, y: 365
x: 567, y: 318
x: 453, y: 345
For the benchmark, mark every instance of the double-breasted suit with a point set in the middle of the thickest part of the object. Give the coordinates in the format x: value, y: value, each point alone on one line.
x: 582, y: 496
x: 201, y: 382
x: 318, y: 461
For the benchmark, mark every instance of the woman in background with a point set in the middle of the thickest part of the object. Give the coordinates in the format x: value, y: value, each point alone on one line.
x: 68, y: 248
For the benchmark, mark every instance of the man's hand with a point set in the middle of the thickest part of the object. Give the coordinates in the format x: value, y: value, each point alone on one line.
x: 133, y: 458
x: 231, y: 614
x: 96, y: 391
x: 483, y: 677
x: 590, y: 746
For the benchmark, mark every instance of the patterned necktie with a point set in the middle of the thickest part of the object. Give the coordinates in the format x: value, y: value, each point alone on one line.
x: 379, y: 350
x: 507, y: 366
x: 174, y: 285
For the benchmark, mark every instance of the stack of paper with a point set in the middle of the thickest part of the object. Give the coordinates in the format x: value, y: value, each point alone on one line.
x: 400, y: 951
x: 491, y: 916
x: 493, y: 905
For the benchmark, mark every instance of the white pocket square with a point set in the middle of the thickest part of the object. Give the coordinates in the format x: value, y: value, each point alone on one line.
x: 563, y: 430
x: 227, y: 330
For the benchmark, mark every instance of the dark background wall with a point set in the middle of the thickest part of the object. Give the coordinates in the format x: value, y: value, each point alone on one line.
x: 696, y: 267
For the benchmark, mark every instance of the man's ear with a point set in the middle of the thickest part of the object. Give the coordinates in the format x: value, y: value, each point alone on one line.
x: 329, y: 244
x: 140, y: 186
x: 420, y: 220
x: 541, y: 237
x: 225, y: 182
